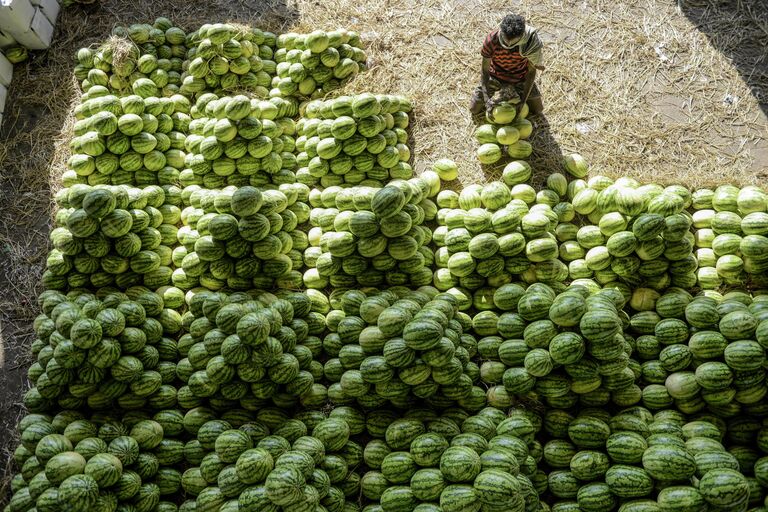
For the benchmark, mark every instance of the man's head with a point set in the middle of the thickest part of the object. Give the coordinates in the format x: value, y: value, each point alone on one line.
x: 512, y: 29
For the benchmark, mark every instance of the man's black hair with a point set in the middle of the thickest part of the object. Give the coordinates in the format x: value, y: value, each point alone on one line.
x: 512, y: 26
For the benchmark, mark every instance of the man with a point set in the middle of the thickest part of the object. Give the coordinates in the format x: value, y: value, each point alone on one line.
x: 511, y: 56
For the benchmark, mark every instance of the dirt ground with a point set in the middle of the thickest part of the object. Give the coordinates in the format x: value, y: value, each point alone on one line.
x: 660, y: 90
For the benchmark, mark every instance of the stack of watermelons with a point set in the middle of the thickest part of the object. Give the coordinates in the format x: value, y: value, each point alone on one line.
x: 71, y: 462
x: 237, y: 140
x: 250, y: 348
x: 139, y: 58
x: 222, y: 57
x: 273, y: 463
x: 253, y: 303
x: 449, y: 462
x: 315, y: 64
x: 241, y: 200
x: 399, y: 348
x: 101, y: 353
x: 731, y: 227
x: 597, y: 461
x: 366, y: 236
x: 114, y: 236
x: 357, y: 140
x: 136, y: 139
x: 504, y: 133
x: 718, y: 366
x: 560, y: 346
x: 635, y: 235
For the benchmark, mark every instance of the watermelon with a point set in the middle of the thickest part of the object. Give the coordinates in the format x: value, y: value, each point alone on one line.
x: 489, y: 153
x: 426, y: 449
x: 79, y: 492
x: 680, y: 497
x: 446, y: 169
x: 284, y: 485
x: 494, y: 486
x: 628, y: 481
x: 460, y: 464
x: 626, y: 447
x: 575, y: 164
x: 401, y: 432
x: 105, y: 469
x: 595, y: 496
x: 459, y: 498
x: 665, y: 462
x: 398, y: 467
x: 64, y: 465
x: 230, y: 444
x: 724, y: 487
x: 588, y: 432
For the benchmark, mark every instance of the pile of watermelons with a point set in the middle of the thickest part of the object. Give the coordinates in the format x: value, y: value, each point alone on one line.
x: 253, y: 303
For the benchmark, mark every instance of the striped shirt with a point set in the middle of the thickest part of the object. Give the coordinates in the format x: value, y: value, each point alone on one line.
x: 511, y: 65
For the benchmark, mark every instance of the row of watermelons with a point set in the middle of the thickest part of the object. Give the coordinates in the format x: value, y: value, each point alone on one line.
x: 136, y: 389
x: 640, y: 235
x: 693, y: 353
x: 156, y: 345
x: 144, y: 462
x: 388, y: 461
x: 636, y: 235
x: 597, y: 461
x: 147, y: 59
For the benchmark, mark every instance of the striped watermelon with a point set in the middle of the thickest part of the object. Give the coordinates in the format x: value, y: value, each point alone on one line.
x: 427, y: 484
x: 398, y: 498
x: 724, y: 487
x: 398, y: 467
x: 588, y: 465
x: 62, y: 466
x: 105, y: 469
x: 599, y: 325
x: 373, y: 484
x: 460, y: 464
x: 401, y: 432
x: 626, y: 447
x: 664, y: 462
x: 628, y: 481
x: 495, y: 487
x: 426, y: 449
x: 595, y: 497
x: 79, y: 492
x: 284, y: 485
x: 459, y: 498
x: 682, y: 498
x: 588, y: 432
x: 333, y: 433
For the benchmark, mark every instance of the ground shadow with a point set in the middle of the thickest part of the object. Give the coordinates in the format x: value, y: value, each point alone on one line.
x: 30, y: 127
x: 36, y: 127
x: 739, y: 30
x: 547, y: 157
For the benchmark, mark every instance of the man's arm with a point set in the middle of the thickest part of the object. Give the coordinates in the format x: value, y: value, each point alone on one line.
x: 485, y: 77
x: 530, y: 77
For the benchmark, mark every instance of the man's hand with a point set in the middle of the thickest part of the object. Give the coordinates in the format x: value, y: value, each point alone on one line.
x: 529, y: 79
x: 486, y: 97
x: 511, y: 95
x: 484, y: 79
x: 491, y: 102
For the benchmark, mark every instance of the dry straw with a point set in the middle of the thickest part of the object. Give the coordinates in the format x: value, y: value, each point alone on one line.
x: 121, y: 49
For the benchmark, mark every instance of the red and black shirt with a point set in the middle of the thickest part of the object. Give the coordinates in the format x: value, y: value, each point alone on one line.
x: 511, y: 64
